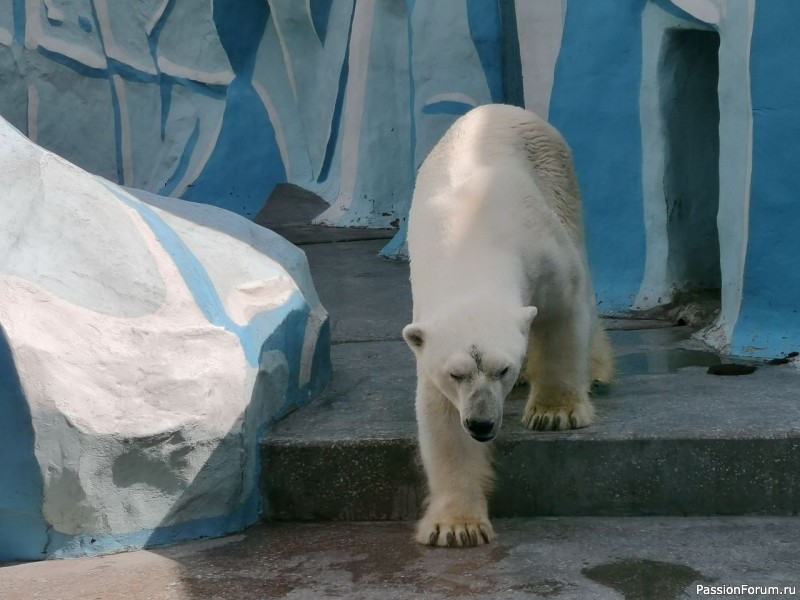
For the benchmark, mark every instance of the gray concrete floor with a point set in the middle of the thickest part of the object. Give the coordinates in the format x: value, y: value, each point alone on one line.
x: 579, y: 558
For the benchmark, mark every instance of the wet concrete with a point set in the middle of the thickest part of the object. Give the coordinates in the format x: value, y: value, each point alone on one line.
x: 655, y: 352
x: 579, y: 558
x: 645, y: 579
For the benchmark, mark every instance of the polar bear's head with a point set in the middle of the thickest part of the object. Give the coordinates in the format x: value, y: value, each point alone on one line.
x: 473, y: 355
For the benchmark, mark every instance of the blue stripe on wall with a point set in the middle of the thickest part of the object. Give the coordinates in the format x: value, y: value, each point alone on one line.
x: 512, y: 62
x: 595, y: 105
x: 183, y: 163
x: 484, y: 28
x: 320, y: 13
x: 19, y: 22
x: 246, y: 163
x: 166, y: 86
x: 73, y: 64
x: 240, y: 27
x: 769, y: 316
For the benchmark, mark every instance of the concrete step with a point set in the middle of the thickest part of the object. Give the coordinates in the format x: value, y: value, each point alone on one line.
x: 670, y: 439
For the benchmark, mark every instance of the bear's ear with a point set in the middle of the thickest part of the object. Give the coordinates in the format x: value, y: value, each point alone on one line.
x: 413, y: 336
x: 527, y: 314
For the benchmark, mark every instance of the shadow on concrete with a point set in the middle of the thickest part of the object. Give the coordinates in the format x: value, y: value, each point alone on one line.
x: 290, y: 209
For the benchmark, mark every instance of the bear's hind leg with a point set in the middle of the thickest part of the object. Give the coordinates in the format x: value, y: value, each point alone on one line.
x: 602, y: 361
x: 459, y: 474
x: 558, y: 371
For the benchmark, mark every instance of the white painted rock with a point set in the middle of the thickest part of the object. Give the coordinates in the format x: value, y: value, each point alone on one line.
x: 145, y: 345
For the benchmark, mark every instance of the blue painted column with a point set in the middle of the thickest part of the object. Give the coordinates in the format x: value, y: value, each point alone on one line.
x: 769, y: 323
x: 595, y: 105
x: 246, y: 164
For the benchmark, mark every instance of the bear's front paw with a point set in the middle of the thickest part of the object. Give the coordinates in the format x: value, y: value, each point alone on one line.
x: 558, y: 418
x: 454, y: 533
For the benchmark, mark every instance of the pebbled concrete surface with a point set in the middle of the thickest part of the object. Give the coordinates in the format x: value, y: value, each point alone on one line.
x: 578, y: 558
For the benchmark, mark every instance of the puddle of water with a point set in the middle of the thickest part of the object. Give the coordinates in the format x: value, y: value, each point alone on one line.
x: 661, y: 351
x: 645, y: 579
x: 667, y: 360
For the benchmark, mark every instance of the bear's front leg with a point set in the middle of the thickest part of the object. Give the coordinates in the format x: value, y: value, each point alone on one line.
x: 558, y: 370
x: 459, y: 474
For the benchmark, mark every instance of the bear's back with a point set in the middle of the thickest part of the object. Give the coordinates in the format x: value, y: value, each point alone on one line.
x: 508, y: 138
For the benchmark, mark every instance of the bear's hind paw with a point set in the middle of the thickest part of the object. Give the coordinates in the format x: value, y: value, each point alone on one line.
x: 558, y: 419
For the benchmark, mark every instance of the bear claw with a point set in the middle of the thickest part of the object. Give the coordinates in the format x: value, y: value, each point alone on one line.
x: 558, y: 419
x: 461, y: 535
x: 434, y: 537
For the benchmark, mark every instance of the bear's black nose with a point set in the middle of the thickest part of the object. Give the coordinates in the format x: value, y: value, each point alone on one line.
x: 481, y: 429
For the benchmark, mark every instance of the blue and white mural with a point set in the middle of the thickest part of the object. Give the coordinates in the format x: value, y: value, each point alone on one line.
x: 683, y: 117
x: 216, y: 102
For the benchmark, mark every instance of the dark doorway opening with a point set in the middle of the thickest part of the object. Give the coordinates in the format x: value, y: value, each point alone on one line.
x: 689, y: 103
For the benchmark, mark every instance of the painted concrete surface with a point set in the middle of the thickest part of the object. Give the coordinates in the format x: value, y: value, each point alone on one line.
x: 346, y: 99
x: 145, y: 347
x: 606, y: 559
x: 321, y: 93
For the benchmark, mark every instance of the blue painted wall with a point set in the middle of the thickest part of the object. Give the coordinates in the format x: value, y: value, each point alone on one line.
x: 769, y: 322
x: 234, y: 179
x: 595, y: 104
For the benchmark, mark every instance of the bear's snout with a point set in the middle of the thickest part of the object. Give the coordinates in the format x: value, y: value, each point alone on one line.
x: 482, y: 430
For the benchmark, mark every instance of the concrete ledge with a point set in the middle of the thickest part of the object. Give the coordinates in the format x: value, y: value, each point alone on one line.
x: 367, y: 480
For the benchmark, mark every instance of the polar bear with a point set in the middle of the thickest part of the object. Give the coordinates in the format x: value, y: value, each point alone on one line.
x: 495, y: 238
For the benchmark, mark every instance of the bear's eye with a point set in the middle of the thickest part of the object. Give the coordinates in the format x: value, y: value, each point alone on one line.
x: 457, y: 377
x: 502, y: 372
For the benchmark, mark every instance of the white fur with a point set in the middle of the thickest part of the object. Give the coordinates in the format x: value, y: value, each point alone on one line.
x: 496, y: 229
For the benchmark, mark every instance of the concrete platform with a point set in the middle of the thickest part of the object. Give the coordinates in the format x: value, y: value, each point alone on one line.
x: 579, y: 558
x: 670, y: 438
